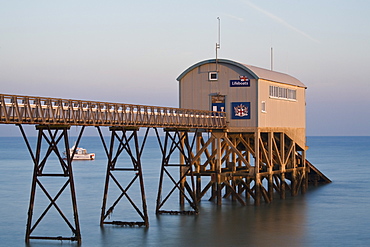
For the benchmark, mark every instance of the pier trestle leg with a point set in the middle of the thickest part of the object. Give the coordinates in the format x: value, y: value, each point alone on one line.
x: 53, y: 137
x: 124, y: 141
x: 177, y: 142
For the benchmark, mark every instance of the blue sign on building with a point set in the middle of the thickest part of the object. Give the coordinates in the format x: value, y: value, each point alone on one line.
x: 240, y: 110
x: 242, y: 82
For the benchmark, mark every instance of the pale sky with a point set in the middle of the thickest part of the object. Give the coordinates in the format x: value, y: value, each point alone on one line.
x: 132, y: 52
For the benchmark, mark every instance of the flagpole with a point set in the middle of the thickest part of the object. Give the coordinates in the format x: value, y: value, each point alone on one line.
x: 218, y: 46
x: 272, y: 62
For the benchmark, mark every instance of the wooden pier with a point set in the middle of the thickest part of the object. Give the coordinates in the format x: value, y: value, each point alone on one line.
x: 247, y: 167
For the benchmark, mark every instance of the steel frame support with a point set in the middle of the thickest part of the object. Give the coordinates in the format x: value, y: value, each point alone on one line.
x: 124, y: 140
x: 177, y: 141
x: 53, y: 136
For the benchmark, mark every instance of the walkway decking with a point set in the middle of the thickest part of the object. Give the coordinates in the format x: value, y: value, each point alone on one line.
x: 15, y: 109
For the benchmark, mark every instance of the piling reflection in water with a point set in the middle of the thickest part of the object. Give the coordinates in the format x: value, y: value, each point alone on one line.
x: 279, y: 224
x: 268, y: 225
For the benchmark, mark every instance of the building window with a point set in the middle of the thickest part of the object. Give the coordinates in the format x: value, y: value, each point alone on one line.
x: 282, y: 93
x: 213, y: 76
x: 263, y: 106
x: 218, y: 102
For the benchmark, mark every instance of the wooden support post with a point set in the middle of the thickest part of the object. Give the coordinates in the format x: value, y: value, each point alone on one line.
x: 233, y: 169
x: 282, y: 185
x: 213, y: 170
x: 218, y: 165
x: 247, y: 179
x: 305, y: 173
x: 282, y: 147
x: 270, y: 167
x: 282, y: 167
x: 198, y: 185
x: 257, y: 178
x: 247, y: 188
x: 294, y: 181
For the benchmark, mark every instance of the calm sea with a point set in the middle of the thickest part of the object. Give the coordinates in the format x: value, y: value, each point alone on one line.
x: 336, y: 214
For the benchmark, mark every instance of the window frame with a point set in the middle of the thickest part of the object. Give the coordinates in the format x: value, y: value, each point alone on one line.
x: 210, y: 74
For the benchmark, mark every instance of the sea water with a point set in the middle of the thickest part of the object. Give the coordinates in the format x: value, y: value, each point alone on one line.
x: 336, y: 214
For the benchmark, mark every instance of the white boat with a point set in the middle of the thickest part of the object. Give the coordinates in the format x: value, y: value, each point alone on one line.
x: 80, y: 154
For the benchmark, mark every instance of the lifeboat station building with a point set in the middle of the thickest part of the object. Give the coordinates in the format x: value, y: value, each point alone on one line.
x: 263, y: 149
x: 253, y: 98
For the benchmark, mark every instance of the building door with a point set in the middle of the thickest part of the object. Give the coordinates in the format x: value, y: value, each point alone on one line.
x: 218, y: 102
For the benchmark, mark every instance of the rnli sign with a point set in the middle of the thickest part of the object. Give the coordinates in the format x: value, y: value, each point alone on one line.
x: 240, y: 110
x: 242, y: 82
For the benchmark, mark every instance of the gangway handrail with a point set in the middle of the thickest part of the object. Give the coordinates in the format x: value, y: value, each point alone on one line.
x: 18, y: 109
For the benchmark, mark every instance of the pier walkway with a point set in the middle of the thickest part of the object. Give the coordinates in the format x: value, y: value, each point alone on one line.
x: 15, y: 109
x: 199, y: 155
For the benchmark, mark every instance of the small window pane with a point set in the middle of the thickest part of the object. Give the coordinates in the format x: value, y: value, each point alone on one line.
x: 213, y: 76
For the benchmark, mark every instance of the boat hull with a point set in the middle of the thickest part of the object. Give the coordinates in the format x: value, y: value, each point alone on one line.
x: 84, y: 156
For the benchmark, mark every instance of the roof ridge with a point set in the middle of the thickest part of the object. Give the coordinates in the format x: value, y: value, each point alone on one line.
x: 257, y: 72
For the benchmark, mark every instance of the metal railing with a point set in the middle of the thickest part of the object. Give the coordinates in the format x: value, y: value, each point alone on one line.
x: 16, y: 109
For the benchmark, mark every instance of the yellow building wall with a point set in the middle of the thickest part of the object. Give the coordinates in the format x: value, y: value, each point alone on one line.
x: 281, y: 112
x: 284, y: 114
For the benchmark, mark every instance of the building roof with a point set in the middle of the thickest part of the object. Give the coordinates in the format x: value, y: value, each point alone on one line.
x: 256, y: 72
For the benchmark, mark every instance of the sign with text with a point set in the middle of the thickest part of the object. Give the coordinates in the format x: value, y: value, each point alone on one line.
x: 242, y: 82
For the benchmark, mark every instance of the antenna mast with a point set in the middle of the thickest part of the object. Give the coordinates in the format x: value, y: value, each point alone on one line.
x: 218, y: 46
x: 271, y: 60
